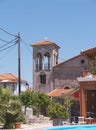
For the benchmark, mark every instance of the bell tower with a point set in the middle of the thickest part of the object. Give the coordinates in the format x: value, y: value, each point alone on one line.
x: 45, y: 57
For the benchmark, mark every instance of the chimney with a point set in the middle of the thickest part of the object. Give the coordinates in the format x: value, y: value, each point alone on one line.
x: 85, y: 72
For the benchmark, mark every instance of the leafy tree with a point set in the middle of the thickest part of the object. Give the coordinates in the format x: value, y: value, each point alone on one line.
x: 29, y: 99
x: 38, y: 101
x: 57, y: 110
x: 42, y: 103
x: 93, y: 68
x: 26, y: 98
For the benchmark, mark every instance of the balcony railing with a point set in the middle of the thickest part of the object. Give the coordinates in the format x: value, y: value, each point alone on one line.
x: 46, y: 66
x: 39, y: 67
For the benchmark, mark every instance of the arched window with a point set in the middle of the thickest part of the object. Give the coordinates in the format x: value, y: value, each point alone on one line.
x: 67, y: 87
x: 55, y: 57
x: 39, y: 62
x: 43, y: 78
x: 47, y: 61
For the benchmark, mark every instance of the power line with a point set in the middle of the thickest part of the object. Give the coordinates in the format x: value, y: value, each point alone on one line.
x: 26, y: 45
x: 3, y: 40
x: 7, y: 32
x: 28, y: 49
x: 7, y: 47
x: 8, y: 42
x: 11, y: 51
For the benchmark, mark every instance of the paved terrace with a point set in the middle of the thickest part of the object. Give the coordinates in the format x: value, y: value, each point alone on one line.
x: 35, y: 126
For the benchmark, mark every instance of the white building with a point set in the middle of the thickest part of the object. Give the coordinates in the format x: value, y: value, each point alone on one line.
x: 11, y: 81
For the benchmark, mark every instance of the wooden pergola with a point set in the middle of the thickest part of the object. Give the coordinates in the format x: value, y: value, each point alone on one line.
x: 87, y: 86
x: 90, y: 53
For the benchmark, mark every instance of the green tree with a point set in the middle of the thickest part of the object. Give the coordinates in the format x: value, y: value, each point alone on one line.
x: 93, y: 68
x: 29, y: 99
x: 38, y: 101
x: 26, y: 98
x: 57, y: 110
x: 10, y: 108
x: 42, y: 103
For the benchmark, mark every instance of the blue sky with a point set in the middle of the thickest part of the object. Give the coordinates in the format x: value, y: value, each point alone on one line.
x: 69, y: 23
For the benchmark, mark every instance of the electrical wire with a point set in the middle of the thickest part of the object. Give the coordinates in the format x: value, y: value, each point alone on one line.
x: 7, y: 47
x: 3, y: 40
x: 8, y: 42
x: 7, y: 32
x: 5, y: 54
x: 26, y: 45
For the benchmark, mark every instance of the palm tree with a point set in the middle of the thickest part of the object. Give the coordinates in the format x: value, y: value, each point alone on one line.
x: 10, y: 108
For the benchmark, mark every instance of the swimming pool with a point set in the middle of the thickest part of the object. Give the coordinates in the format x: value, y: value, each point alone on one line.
x: 76, y: 127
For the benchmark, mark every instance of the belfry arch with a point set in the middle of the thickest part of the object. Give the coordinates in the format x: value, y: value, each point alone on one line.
x: 38, y: 61
x: 47, y: 61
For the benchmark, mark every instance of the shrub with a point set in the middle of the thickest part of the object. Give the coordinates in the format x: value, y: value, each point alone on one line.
x: 57, y: 110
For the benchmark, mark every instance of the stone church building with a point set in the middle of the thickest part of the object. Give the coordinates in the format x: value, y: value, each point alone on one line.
x: 48, y: 74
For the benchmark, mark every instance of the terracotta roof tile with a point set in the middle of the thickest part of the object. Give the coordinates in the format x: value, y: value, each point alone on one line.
x: 59, y: 91
x: 45, y: 42
x: 9, y: 77
x: 29, y: 89
x: 91, y: 53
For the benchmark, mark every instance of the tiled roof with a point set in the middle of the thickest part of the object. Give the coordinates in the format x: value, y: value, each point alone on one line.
x: 8, y: 77
x: 45, y: 42
x: 59, y: 92
x: 91, y: 53
x: 29, y: 89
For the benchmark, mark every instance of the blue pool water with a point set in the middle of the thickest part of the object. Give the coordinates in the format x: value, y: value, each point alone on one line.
x: 77, y: 127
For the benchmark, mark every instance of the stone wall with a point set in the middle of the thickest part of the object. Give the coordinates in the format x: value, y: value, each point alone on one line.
x: 66, y: 73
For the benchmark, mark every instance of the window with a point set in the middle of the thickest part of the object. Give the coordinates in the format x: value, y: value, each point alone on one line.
x: 67, y: 87
x: 47, y: 61
x: 43, y: 79
x: 82, y: 61
x: 39, y: 62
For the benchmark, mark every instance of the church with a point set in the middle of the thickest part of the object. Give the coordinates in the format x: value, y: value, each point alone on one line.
x: 48, y: 74
x: 68, y: 77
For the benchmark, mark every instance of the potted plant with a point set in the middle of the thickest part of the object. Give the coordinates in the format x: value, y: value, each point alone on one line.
x: 19, y: 119
x: 10, y: 108
x: 59, y: 112
x: 14, y: 117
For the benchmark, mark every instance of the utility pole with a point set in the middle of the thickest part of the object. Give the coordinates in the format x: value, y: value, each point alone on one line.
x: 19, y: 71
